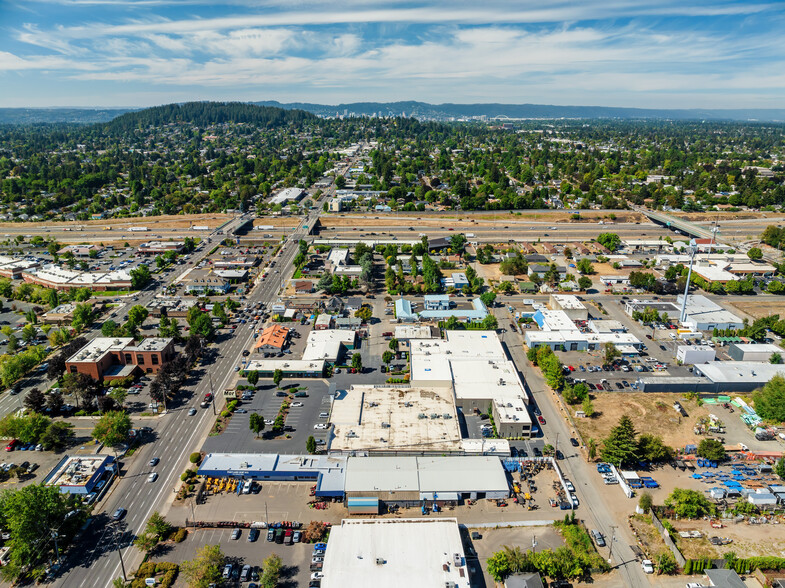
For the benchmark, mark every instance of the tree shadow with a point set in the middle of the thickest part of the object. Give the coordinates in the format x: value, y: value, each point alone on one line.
x: 288, y: 577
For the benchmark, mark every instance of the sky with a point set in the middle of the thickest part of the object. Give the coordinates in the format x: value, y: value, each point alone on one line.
x: 636, y: 53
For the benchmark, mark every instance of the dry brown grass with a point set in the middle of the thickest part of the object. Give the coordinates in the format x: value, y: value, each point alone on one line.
x: 649, y: 538
x: 760, y: 306
x: 650, y: 413
x: 154, y: 222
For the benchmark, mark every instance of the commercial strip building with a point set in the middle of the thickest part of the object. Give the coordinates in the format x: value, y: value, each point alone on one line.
x: 52, y: 276
x: 12, y: 267
x: 111, y: 358
x: 558, y: 331
x: 83, y: 250
x: 390, y: 553
x: 170, y: 307
x: 160, y: 247
x: 716, y: 377
x: 79, y: 474
x: 328, y: 344
x: 439, y: 309
x: 290, y: 368
x: 701, y: 313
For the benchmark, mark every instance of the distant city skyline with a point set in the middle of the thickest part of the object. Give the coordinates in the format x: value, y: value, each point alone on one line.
x: 133, y: 53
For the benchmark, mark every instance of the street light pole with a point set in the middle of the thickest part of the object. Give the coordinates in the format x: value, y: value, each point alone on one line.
x: 610, y: 550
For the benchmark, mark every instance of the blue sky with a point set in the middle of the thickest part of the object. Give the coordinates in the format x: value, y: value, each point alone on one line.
x: 665, y: 53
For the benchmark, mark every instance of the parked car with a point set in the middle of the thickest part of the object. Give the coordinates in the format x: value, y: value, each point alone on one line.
x: 236, y: 534
x: 253, y: 535
x: 574, y: 442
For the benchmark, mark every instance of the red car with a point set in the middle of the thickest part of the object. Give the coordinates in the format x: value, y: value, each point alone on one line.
x: 572, y: 369
x: 599, y: 386
x: 541, y: 419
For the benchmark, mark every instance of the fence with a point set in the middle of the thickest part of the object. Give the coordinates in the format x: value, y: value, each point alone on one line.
x: 668, y: 541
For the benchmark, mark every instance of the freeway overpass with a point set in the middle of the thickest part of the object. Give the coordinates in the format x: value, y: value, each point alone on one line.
x: 686, y: 227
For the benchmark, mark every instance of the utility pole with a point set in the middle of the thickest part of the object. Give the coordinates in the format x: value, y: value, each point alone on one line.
x: 610, y: 550
x: 57, y: 551
x: 693, y: 249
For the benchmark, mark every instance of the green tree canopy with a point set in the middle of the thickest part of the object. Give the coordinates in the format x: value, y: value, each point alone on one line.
x: 205, y: 568
x: 620, y: 447
x: 112, y: 428
x: 770, y: 400
x: 689, y: 504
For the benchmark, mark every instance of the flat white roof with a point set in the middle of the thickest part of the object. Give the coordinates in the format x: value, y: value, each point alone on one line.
x: 382, y: 474
x: 96, y: 348
x: 568, y: 301
x: 286, y: 365
x: 713, y: 273
x: 740, y: 371
x: 395, y: 418
x: 556, y: 320
x: 326, y: 344
x: 404, y: 332
x: 758, y: 347
x: 390, y: 553
x: 57, y: 275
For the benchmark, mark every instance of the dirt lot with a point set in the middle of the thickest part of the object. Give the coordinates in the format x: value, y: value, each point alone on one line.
x: 760, y: 306
x: 158, y: 222
x: 455, y: 217
x: 748, y: 540
x: 650, y: 413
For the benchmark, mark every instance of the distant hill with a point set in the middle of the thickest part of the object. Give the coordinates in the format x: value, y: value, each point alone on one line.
x: 26, y: 116
x: 271, y: 112
x: 207, y: 113
x: 492, y: 110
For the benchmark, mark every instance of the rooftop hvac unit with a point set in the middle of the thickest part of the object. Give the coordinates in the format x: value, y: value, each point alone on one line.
x: 434, y: 415
x: 422, y: 415
x: 385, y: 425
x: 446, y: 415
x: 380, y: 561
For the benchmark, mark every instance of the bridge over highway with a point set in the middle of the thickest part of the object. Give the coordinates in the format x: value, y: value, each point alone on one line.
x: 686, y: 227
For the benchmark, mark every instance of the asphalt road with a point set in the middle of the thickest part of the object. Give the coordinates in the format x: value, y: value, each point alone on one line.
x: 93, y: 562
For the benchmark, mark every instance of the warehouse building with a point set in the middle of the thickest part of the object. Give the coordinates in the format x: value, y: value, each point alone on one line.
x: 752, y: 351
x: 701, y: 313
x: 694, y: 354
x: 287, y: 195
x: 474, y: 365
x: 326, y: 471
x: 738, y: 376
x: 390, y: 553
x: 407, y: 481
x: 575, y: 340
x: 53, y: 276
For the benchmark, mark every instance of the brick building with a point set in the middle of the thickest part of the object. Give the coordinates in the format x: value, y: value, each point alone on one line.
x: 112, y: 358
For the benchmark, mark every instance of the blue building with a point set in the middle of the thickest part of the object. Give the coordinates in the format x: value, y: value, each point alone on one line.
x: 437, y: 302
x: 81, y: 474
x: 403, y: 311
x: 477, y: 313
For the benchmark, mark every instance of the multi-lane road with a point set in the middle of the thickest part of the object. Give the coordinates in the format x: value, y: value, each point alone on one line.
x: 95, y: 561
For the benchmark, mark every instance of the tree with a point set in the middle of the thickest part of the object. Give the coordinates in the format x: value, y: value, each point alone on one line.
x: 387, y: 357
x: 584, y: 283
x: 393, y: 344
x: 205, y: 568
x: 711, y: 449
x: 364, y: 312
x: 272, y: 571
x: 109, y: 328
x: 499, y: 566
x: 666, y: 564
x: 252, y: 377
x: 113, y: 428
x: 35, y: 400
x: 779, y: 468
x: 140, y: 277
x: 29, y: 333
x: 770, y: 400
x: 755, y: 254
x: 118, y: 395
x: 775, y: 358
x: 277, y: 377
x: 584, y: 266
x: 56, y: 436
x: 54, y: 401
x: 490, y: 323
x: 137, y: 315
x: 591, y: 448
x: 357, y: 362
x: 310, y: 445
x: 488, y: 298
x: 29, y: 515
x: 146, y: 542
x: 610, y: 241
x: 651, y: 448
x: 620, y: 446
x: 610, y: 352
x: 202, y: 325
x: 689, y: 504
x: 645, y: 502
x: 588, y: 407
x: 256, y: 423
x: 82, y: 316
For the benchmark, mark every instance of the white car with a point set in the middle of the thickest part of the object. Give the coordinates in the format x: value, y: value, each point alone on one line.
x: 647, y: 566
x: 321, y: 426
x: 317, y: 576
x: 152, y: 477
x: 297, y: 404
